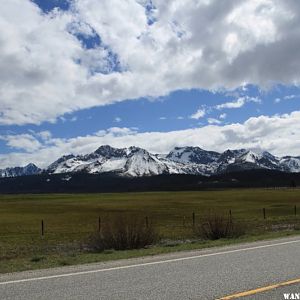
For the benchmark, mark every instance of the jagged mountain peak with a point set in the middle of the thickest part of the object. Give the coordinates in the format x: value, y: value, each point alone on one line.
x: 263, y: 158
x: 104, y: 148
x: 30, y: 169
x: 108, y: 151
x: 192, y: 155
x: 135, y: 149
x: 52, y: 167
x: 269, y: 155
x: 229, y: 156
x: 65, y: 157
x: 249, y: 156
x: 31, y: 165
x: 236, y: 151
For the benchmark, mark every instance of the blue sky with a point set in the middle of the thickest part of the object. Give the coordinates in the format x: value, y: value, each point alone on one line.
x: 49, y: 5
x: 83, y: 73
x: 168, y: 113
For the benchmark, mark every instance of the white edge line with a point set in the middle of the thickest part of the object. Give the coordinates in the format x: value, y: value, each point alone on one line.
x: 146, y: 264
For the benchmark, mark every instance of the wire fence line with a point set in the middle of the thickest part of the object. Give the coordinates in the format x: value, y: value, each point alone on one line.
x: 44, y: 226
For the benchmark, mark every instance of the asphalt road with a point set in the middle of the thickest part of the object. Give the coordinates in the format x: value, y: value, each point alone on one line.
x: 208, y: 274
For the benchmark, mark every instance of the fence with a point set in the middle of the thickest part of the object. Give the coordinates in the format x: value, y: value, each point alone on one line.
x: 185, y: 221
x: 50, y: 234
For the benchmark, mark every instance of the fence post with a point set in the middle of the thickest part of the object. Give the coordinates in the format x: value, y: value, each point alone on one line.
x: 193, y: 217
x: 230, y: 216
x: 264, y: 213
x: 99, y: 224
x: 295, y: 210
x: 42, y: 227
x: 147, y: 222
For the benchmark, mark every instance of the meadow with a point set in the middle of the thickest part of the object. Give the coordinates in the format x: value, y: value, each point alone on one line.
x: 69, y: 218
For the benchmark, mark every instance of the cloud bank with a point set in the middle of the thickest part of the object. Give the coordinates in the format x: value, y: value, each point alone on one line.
x: 278, y: 134
x: 47, y: 69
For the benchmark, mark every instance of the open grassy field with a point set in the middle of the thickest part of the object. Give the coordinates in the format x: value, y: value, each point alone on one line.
x: 70, y: 218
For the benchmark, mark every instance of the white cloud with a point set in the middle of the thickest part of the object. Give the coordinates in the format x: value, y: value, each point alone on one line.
x: 44, y: 135
x: 45, y: 71
x: 25, y: 142
x: 163, y: 118
x: 234, y: 104
x: 277, y: 100
x: 238, y: 103
x: 287, y: 97
x: 290, y: 97
x: 223, y: 116
x: 74, y: 119
x: 200, y: 113
x: 118, y: 119
x: 214, y: 121
x: 277, y: 134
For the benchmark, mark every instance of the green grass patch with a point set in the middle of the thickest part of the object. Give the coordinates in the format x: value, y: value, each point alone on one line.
x: 70, y: 218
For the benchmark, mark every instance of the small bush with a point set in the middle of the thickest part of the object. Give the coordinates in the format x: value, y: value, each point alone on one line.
x: 217, y: 226
x: 37, y: 258
x: 123, y: 233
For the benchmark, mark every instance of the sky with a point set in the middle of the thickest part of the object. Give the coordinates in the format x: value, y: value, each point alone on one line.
x: 77, y: 74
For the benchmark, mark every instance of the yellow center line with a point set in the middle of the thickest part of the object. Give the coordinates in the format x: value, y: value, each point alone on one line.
x: 260, y: 290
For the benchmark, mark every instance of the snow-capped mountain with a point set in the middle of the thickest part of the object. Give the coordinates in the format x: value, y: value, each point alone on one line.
x: 227, y: 158
x: 134, y: 162
x: 290, y: 164
x: 30, y: 169
x: 193, y: 155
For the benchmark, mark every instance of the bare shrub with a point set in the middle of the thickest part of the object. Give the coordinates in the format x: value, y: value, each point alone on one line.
x: 216, y: 226
x: 123, y: 233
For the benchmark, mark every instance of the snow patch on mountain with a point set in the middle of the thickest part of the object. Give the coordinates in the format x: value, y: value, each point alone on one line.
x: 193, y: 155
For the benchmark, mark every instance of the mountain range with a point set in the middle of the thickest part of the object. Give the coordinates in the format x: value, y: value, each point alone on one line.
x: 30, y: 169
x: 137, y: 162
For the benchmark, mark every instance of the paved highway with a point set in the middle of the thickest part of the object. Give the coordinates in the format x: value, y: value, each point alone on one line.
x: 254, y: 269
